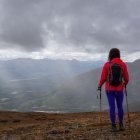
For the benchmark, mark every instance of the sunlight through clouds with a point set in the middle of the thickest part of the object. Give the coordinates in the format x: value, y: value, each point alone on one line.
x: 74, y: 29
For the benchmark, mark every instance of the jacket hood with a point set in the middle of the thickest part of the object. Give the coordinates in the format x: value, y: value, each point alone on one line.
x: 116, y: 60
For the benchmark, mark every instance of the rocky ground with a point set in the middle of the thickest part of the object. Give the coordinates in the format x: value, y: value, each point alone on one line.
x: 80, y: 126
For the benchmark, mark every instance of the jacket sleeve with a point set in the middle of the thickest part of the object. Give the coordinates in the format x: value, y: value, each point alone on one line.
x: 126, y: 75
x: 103, y: 75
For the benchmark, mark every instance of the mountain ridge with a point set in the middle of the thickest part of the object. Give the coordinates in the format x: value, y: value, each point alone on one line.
x: 75, y: 94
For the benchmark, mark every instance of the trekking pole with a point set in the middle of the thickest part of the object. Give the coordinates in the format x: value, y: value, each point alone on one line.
x: 100, y: 109
x: 127, y: 107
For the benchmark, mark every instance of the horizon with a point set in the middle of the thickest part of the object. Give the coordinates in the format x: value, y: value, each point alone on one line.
x: 70, y: 59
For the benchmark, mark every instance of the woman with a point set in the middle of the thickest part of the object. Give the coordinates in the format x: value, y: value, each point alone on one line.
x: 114, y: 92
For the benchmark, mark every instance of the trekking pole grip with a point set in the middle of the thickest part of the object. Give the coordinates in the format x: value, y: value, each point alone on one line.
x: 125, y: 89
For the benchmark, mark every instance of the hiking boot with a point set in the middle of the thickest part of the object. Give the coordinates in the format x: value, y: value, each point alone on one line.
x: 121, y: 127
x: 114, y: 128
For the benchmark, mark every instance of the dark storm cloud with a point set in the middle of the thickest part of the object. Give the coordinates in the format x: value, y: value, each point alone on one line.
x: 92, y: 25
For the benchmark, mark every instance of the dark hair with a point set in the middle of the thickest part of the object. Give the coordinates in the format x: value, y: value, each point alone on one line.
x: 114, y: 53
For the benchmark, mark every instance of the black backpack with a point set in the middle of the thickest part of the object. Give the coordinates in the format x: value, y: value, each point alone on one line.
x: 115, y: 74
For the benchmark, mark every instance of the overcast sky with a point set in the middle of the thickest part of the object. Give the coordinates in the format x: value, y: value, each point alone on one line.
x: 67, y: 29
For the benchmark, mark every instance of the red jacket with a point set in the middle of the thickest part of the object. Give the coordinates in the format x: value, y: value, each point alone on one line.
x: 105, y: 72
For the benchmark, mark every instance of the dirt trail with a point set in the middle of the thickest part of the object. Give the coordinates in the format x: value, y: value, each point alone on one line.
x: 79, y: 126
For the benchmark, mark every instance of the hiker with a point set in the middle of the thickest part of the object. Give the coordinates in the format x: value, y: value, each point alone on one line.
x: 115, y: 76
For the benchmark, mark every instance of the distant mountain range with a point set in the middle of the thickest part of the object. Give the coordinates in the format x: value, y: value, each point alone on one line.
x: 63, y: 91
x: 30, y: 68
x: 25, y: 80
x: 80, y: 93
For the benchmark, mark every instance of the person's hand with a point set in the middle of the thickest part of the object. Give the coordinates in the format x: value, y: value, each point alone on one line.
x: 99, y: 88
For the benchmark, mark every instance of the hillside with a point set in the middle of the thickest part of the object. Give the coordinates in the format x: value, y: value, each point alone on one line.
x: 79, y: 126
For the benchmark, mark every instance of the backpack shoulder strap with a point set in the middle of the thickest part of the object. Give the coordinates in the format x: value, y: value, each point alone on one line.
x: 109, y: 71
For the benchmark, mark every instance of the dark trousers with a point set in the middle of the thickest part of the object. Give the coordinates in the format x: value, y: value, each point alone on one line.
x: 117, y: 96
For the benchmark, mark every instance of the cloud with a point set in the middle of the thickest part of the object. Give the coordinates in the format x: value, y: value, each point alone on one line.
x: 90, y: 26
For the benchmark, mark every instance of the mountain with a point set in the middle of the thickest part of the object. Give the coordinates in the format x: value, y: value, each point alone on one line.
x: 80, y: 93
x: 77, y: 94
x: 29, y: 68
x: 23, y: 80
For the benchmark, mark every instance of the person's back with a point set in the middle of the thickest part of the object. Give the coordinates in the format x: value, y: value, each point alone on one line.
x: 114, y: 92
